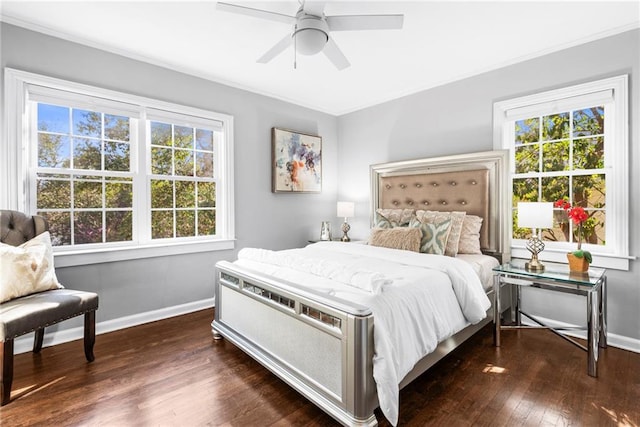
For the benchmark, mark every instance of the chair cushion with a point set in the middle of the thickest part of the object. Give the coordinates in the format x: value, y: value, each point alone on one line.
x: 26, y: 314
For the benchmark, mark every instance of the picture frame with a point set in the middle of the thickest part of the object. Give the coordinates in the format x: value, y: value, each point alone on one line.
x: 296, y: 162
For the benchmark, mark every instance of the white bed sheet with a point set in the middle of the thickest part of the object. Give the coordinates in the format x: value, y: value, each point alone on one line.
x: 483, y: 265
x: 423, y: 303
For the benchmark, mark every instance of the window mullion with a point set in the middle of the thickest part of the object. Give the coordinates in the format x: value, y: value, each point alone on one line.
x: 540, y: 155
x: 141, y: 154
x: 103, y: 179
x: 31, y: 158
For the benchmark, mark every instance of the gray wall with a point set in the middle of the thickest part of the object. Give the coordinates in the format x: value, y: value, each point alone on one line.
x: 457, y: 118
x: 263, y: 219
x: 450, y: 119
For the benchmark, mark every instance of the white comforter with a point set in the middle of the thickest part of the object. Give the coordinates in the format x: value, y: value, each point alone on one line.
x: 417, y: 300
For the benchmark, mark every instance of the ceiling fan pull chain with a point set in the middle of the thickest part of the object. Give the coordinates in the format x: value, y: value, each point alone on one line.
x: 295, y: 48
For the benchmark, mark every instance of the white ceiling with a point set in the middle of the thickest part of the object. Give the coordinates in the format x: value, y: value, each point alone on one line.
x: 441, y: 41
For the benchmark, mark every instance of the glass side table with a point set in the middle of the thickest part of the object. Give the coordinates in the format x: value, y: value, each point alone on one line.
x: 556, y: 277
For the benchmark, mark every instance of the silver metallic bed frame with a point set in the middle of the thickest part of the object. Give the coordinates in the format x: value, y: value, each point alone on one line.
x: 321, y: 345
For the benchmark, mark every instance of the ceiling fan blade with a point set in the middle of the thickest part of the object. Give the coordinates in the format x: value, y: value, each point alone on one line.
x: 315, y: 8
x: 365, y: 22
x: 335, y: 55
x: 256, y: 13
x: 276, y: 50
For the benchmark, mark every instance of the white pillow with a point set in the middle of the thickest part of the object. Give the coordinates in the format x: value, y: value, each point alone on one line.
x: 27, y: 269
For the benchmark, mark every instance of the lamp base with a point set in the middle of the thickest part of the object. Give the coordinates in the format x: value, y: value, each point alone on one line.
x: 534, y: 266
x: 535, y: 246
x: 345, y: 230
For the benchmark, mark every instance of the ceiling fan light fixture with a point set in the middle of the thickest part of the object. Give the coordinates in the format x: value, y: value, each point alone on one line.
x: 311, y: 34
x: 310, y: 41
x: 312, y: 29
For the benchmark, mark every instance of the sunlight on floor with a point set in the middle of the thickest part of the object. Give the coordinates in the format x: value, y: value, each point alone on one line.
x: 490, y: 369
x: 24, y: 390
x: 34, y: 387
x: 622, y: 420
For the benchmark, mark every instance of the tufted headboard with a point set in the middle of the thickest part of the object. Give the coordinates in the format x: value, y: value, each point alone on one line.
x: 466, y: 191
x: 473, y: 183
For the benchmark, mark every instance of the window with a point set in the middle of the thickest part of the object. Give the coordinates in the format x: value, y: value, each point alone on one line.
x: 83, y: 174
x: 117, y: 176
x: 571, y: 144
x: 182, y: 180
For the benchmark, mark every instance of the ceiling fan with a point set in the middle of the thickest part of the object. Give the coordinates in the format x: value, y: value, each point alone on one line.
x: 311, y: 29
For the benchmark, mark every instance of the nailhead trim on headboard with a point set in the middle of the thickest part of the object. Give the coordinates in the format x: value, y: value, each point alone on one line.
x: 466, y: 191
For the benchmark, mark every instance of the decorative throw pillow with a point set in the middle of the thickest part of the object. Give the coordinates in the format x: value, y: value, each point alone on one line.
x: 389, y: 218
x: 434, y: 236
x: 404, y: 238
x: 470, y: 237
x: 456, y: 226
x: 27, y: 269
x: 383, y: 222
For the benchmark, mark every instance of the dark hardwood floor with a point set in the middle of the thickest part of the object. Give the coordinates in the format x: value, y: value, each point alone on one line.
x: 172, y: 373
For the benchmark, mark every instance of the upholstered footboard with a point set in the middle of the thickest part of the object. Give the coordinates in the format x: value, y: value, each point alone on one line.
x: 319, y: 345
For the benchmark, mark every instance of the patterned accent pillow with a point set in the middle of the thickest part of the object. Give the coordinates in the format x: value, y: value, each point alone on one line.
x: 27, y: 269
x: 456, y: 226
x: 383, y: 222
x: 434, y: 235
x: 404, y: 238
x: 393, y: 217
x: 470, y: 237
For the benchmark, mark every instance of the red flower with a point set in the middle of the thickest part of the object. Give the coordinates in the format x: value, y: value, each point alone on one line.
x: 578, y: 216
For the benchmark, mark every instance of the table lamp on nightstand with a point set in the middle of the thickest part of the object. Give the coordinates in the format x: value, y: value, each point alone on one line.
x: 535, y: 215
x: 346, y: 210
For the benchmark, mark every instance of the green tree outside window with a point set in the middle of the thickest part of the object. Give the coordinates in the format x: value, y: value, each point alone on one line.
x: 561, y: 156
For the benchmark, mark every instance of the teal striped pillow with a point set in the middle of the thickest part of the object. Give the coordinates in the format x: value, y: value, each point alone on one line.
x: 434, y: 235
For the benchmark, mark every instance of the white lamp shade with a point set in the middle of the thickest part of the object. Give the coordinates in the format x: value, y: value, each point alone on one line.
x: 346, y: 209
x: 535, y: 215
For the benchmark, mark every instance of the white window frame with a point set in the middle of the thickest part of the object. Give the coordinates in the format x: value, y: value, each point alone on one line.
x: 614, y: 92
x: 16, y: 181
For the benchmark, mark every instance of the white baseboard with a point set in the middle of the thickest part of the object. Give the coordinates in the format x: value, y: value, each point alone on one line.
x: 613, y: 340
x: 24, y: 343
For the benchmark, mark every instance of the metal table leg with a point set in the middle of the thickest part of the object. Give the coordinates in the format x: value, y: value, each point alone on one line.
x: 496, y: 310
x: 518, y: 301
x: 603, y: 312
x: 593, y: 331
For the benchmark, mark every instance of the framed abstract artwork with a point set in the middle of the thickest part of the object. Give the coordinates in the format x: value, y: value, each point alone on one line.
x: 296, y: 162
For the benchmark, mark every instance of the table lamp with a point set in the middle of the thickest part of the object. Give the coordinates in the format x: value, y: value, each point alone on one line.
x: 345, y: 210
x: 535, y: 215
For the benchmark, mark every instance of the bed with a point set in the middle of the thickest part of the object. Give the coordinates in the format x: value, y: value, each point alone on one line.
x: 317, y: 332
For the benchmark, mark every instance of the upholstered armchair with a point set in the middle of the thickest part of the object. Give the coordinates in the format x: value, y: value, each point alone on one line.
x: 34, y: 311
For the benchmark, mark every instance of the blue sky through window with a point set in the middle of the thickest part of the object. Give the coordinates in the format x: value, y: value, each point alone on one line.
x: 52, y: 118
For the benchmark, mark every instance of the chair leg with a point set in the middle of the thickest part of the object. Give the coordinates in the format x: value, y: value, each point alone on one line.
x: 6, y: 358
x: 89, y: 334
x: 37, y: 340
